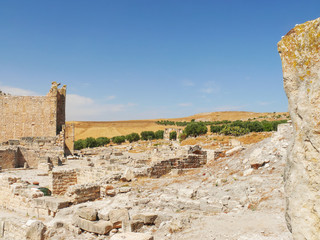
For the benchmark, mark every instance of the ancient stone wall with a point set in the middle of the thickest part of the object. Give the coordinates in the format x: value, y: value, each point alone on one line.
x: 195, y: 159
x: 167, y: 131
x: 8, y: 158
x: 30, y: 150
x: 61, y: 180
x: 32, y: 116
x: 83, y: 192
x: 300, y: 55
x: 69, y: 138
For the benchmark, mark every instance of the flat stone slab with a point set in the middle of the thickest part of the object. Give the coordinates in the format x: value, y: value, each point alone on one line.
x: 87, y: 213
x: 99, y: 227
x: 51, y: 203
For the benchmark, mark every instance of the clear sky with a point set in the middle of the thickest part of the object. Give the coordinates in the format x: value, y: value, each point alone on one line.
x: 144, y: 59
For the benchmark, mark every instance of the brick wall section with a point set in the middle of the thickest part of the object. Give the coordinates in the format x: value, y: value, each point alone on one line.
x: 83, y: 192
x: 194, y: 159
x: 8, y: 158
x: 32, y: 116
x: 61, y: 180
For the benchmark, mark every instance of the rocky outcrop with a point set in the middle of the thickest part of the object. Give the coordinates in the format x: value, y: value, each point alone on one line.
x: 299, y: 51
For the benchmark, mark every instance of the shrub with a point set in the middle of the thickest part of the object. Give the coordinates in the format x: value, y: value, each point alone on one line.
x: 118, y: 139
x: 90, y: 142
x: 101, y: 141
x: 147, y: 135
x: 79, y: 144
x: 133, y: 137
x: 173, y: 135
x: 195, y: 129
x: 182, y: 136
x: 216, y: 128
x: 159, y: 134
x: 234, y: 130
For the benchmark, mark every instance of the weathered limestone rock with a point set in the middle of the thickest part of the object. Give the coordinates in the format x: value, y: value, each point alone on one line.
x: 36, y: 230
x: 99, y: 227
x: 87, y: 213
x: 119, y: 217
x: 147, y: 218
x: 300, y: 55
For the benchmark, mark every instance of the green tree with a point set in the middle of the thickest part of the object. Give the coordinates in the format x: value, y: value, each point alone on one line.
x: 133, y: 137
x: 159, y: 134
x: 216, y: 128
x: 118, y: 139
x: 195, y: 129
x: 79, y: 144
x: 234, y: 130
x: 101, y: 141
x: 90, y: 142
x: 173, y: 135
x: 147, y: 135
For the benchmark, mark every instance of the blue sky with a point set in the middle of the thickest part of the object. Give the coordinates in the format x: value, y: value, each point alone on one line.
x: 145, y: 59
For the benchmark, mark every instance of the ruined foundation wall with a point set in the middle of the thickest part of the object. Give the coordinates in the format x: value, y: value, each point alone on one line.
x: 61, y: 180
x: 32, y: 116
x: 8, y: 158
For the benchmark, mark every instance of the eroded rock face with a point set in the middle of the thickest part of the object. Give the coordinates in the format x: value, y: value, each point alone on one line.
x: 300, y: 55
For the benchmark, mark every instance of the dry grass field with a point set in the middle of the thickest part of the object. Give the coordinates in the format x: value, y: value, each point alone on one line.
x: 116, y: 128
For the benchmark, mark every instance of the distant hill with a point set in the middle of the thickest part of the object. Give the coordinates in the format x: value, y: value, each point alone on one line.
x: 84, y: 129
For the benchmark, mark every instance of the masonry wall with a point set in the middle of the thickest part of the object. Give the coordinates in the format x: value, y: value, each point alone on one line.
x: 69, y: 138
x: 61, y: 180
x: 8, y: 158
x: 32, y: 116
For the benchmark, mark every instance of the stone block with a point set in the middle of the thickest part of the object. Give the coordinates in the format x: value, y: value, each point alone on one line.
x: 136, y: 225
x: 99, y: 227
x: 36, y: 230
x: 147, y: 218
x: 87, y: 213
x: 117, y: 216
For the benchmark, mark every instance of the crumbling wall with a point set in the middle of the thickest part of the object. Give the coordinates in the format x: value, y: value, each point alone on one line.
x: 32, y: 116
x: 8, y: 158
x: 69, y: 138
x: 300, y: 55
x: 195, y: 159
x: 11, y: 197
x: 30, y: 150
x: 61, y: 180
x: 167, y: 131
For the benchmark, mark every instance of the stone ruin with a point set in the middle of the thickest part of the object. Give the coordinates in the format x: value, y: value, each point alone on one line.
x: 101, y: 173
x: 32, y: 129
x: 300, y: 54
x: 167, y: 132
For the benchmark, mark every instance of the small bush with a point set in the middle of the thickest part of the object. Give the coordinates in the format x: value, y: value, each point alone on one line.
x: 159, y: 134
x: 90, y: 142
x: 216, y: 128
x: 79, y: 144
x: 234, y: 130
x: 147, y: 135
x: 133, y: 137
x: 118, y: 139
x: 173, y: 135
x: 101, y: 141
